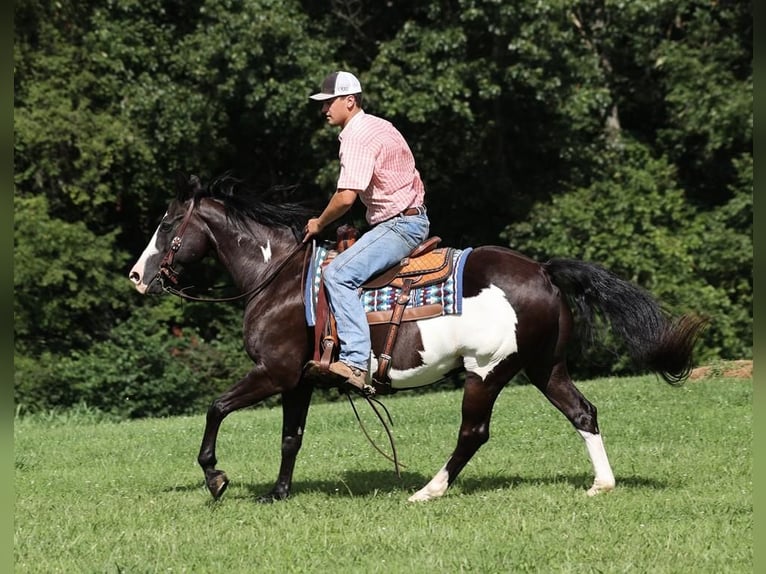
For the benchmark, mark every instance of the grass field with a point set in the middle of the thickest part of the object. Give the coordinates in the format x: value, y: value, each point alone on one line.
x: 109, y: 497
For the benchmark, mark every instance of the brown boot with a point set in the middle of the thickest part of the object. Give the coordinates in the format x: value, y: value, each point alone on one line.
x: 356, y: 378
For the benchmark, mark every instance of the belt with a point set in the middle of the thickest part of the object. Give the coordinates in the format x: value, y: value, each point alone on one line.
x: 419, y: 210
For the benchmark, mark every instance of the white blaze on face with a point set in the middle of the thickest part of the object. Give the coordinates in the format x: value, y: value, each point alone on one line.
x: 266, y: 252
x: 136, y: 274
x: 483, y: 335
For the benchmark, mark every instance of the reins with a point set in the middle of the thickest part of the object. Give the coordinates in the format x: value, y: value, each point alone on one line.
x: 254, y: 291
x: 166, y: 271
x: 372, y: 402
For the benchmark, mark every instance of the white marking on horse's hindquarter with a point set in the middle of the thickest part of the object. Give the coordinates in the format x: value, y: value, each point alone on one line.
x: 604, y: 478
x: 434, y: 489
x: 483, y: 335
x: 266, y: 252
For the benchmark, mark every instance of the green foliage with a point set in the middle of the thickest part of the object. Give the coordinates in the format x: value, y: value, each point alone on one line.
x: 724, y: 262
x: 708, y: 85
x: 516, y: 112
x: 38, y: 386
x: 74, y: 142
x: 471, y: 87
x: 637, y: 224
x: 67, y: 294
x: 147, y: 367
x: 630, y: 223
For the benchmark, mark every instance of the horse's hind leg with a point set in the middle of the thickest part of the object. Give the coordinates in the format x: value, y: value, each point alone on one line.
x: 478, y: 399
x: 558, y: 388
x: 295, y: 408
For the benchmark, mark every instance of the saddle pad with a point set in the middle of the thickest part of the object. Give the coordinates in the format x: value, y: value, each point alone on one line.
x: 449, y: 293
x: 313, y: 279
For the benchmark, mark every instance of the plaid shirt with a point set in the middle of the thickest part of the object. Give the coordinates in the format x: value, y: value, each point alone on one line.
x: 376, y: 162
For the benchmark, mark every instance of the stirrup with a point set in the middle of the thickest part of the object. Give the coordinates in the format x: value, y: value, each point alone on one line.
x: 365, y: 390
x: 318, y: 372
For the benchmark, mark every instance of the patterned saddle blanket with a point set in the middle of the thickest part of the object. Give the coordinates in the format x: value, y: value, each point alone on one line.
x: 427, y: 298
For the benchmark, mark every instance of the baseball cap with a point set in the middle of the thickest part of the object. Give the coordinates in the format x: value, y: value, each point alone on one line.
x: 338, y: 84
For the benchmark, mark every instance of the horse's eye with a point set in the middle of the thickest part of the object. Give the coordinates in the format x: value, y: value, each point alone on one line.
x: 165, y: 226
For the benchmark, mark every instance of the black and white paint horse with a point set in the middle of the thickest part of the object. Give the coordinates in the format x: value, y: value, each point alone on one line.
x: 517, y: 314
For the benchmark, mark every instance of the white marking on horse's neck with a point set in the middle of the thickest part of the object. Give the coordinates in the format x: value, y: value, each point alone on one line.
x: 266, y: 251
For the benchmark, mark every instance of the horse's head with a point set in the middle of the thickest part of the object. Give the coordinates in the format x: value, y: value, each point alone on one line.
x: 178, y: 239
x: 223, y: 216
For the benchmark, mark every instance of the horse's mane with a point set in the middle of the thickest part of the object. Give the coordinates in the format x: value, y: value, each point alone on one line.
x: 243, y: 203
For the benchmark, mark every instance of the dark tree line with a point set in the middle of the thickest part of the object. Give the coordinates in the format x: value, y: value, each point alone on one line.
x: 616, y: 132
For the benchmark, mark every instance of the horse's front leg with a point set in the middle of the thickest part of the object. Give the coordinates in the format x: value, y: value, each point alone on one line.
x: 295, y: 408
x: 251, y: 389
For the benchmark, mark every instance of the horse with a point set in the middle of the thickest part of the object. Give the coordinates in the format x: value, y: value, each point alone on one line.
x: 517, y: 315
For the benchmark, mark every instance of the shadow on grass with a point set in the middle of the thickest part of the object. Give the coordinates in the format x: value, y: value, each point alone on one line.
x: 367, y: 483
x: 583, y: 481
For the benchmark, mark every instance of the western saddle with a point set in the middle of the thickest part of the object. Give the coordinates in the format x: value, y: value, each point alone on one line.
x: 426, y: 265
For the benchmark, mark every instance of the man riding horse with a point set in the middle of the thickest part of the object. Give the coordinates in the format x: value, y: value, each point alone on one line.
x: 376, y: 165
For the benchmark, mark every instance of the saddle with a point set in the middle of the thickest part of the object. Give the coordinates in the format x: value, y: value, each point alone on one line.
x: 426, y: 265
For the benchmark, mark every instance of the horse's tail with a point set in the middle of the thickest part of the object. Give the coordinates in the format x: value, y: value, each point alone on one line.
x: 653, y: 339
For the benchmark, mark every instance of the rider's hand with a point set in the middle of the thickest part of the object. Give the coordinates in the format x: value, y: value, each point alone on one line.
x: 313, y: 227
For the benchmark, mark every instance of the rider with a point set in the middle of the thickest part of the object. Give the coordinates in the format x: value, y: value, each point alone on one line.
x: 377, y: 166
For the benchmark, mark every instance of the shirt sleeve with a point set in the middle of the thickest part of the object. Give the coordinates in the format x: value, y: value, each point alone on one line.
x: 357, y: 164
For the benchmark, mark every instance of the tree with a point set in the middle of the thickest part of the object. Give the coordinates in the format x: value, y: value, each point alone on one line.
x: 636, y: 222
x: 66, y: 296
x: 519, y: 113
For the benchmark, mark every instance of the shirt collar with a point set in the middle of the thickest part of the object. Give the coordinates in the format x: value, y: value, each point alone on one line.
x: 350, y: 124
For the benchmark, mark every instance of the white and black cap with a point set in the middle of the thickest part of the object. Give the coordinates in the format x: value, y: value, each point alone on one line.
x: 338, y: 84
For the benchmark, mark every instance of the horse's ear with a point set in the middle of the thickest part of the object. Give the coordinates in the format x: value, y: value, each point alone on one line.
x: 195, y: 184
x: 186, y: 185
x: 181, y: 185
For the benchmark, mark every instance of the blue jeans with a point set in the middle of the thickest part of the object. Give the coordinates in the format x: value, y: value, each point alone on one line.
x: 378, y: 249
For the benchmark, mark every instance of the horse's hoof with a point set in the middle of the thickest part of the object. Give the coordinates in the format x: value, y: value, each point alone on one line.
x: 418, y: 497
x: 600, y: 487
x: 217, y: 484
x: 272, y: 497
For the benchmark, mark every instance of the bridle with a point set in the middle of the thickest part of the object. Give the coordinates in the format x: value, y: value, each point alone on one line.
x: 167, y: 273
x: 166, y: 270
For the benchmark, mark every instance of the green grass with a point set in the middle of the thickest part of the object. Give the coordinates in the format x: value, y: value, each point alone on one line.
x: 99, y: 496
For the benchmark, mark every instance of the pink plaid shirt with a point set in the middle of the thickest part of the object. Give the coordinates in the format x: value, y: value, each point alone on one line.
x: 376, y: 162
